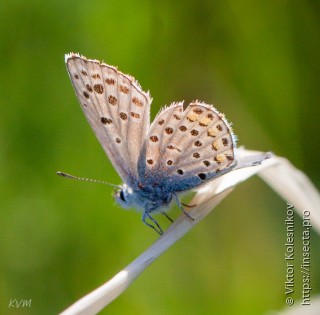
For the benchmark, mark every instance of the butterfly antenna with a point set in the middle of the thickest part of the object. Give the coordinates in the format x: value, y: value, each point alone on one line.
x: 62, y: 174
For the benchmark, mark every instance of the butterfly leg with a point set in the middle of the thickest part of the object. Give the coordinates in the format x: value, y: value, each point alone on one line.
x: 189, y: 206
x: 163, y: 213
x: 147, y: 215
x: 183, y: 210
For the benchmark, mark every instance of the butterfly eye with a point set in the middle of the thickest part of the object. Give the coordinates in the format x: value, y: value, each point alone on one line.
x: 122, y: 196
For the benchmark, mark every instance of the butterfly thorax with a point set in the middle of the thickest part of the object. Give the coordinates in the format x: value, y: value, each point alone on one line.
x: 148, y: 198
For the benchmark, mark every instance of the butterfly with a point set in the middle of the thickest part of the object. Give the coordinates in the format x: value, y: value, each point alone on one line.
x: 181, y: 150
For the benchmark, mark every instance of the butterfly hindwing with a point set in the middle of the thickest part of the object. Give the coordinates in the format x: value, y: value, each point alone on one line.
x: 116, y: 108
x: 185, y: 148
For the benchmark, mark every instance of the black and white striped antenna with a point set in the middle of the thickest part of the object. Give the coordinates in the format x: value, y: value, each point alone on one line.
x: 66, y: 175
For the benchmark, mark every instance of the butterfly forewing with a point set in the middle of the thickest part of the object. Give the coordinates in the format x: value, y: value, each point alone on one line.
x: 116, y: 108
x: 191, y: 146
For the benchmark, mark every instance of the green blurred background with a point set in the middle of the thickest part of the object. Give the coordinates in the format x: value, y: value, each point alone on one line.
x: 258, y: 62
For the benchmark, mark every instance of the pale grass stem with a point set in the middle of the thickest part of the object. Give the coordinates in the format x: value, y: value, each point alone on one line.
x: 290, y: 183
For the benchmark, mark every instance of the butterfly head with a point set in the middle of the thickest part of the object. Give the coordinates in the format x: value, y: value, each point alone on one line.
x: 125, y: 196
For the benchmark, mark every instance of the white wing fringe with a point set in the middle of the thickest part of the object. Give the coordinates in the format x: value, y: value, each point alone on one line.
x: 289, y: 182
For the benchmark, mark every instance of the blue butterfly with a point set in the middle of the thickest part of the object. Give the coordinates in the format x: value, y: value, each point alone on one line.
x: 181, y: 150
